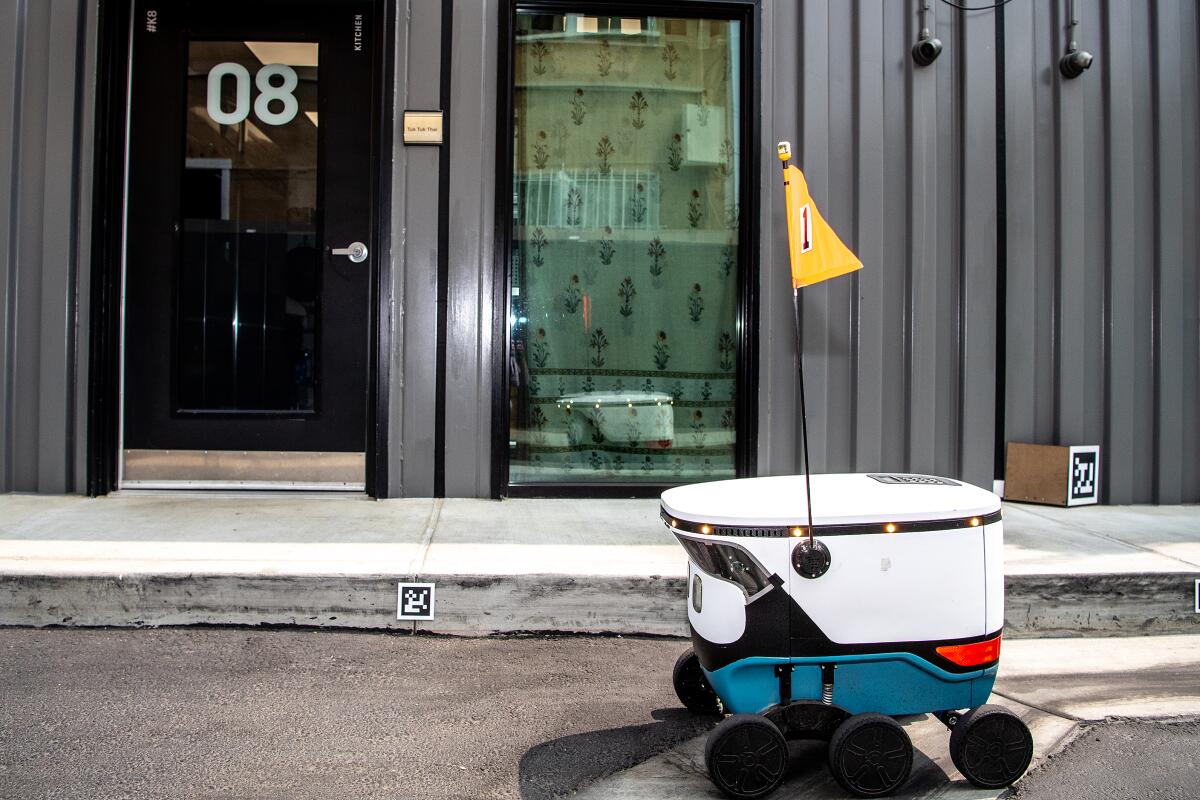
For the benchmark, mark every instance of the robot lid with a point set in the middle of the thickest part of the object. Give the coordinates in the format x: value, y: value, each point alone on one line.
x: 845, y: 499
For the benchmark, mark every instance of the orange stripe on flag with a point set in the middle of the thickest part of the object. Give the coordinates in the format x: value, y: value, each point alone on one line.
x: 816, y: 251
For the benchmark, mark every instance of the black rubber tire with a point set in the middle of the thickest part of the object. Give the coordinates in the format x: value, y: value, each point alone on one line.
x: 870, y: 755
x: 691, y: 687
x: 746, y: 756
x: 991, y: 746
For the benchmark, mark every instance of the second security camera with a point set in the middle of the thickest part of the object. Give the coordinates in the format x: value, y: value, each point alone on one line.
x: 926, y: 50
x: 1074, y: 62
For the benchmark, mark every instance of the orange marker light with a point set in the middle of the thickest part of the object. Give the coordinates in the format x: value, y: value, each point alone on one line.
x: 890, y: 527
x: 972, y: 655
x: 974, y: 522
x: 705, y: 529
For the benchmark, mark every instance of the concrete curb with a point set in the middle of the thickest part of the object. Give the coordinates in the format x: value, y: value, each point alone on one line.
x: 1123, y: 604
x: 1037, y: 605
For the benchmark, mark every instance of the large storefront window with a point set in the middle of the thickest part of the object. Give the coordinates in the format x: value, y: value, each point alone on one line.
x: 625, y: 249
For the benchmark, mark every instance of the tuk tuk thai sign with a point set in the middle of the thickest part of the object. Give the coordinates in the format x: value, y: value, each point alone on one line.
x: 422, y: 127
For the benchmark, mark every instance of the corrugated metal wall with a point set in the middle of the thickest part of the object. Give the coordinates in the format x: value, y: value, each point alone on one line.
x: 1104, y: 310
x: 900, y: 358
x: 47, y: 53
x: 1101, y: 330
x: 1102, y: 325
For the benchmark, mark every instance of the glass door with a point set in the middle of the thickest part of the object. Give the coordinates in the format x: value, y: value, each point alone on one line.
x: 248, y: 274
x: 626, y: 261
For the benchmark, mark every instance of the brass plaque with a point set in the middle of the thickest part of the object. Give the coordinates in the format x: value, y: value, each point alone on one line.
x: 422, y: 127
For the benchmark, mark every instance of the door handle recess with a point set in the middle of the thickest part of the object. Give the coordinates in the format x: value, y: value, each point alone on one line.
x: 356, y: 252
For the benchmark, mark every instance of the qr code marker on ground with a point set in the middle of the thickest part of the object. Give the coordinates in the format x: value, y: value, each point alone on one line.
x: 414, y: 601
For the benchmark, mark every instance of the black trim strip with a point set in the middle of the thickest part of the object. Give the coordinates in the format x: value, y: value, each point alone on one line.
x: 443, y: 255
x: 108, y: 191
x: 1001, y: 368
x: 501, y: 252
x: 379, y: 378
x: 799, y: 529
x: 75, y: 262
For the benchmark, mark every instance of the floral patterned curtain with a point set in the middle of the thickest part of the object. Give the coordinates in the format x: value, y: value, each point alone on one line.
x: 624, y: 260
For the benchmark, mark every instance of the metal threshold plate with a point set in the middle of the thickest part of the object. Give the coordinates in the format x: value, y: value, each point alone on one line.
x: 243, y: 469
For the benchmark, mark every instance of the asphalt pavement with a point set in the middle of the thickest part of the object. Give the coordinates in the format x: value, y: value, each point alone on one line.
x: 1122, y: 760
x: 300, y: 713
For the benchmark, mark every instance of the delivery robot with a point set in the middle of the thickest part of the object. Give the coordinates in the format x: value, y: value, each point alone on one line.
x: 891, y: 604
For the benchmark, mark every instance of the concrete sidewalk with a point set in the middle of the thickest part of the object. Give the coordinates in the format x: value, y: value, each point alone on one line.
x: 1057, y: 686
x: 564, y: 565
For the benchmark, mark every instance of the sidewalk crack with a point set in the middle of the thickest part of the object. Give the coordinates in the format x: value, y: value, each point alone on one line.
x: 1037, y: 707
x: 417, y: 567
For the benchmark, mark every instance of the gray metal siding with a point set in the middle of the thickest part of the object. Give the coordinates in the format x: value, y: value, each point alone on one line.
x: 1102, y: 331
x: 1102, y: 250
x: 40, y: 143
x: 900, y: 357
x: 469, y: 311
x: 414, y: 237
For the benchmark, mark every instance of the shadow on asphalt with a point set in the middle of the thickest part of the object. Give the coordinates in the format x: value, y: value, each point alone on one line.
x: 808, y: 771
x: 559, y: 766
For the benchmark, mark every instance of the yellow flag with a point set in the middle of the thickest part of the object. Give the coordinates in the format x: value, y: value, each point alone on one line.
x: 817, y: 252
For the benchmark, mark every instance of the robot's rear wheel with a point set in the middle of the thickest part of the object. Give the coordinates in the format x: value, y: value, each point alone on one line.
x: 991, y: 747
x: 691, y: 686
x: 746, y: 756
x: 870, y: 755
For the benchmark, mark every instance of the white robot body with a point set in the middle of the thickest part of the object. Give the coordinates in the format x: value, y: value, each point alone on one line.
x: 914, y: 563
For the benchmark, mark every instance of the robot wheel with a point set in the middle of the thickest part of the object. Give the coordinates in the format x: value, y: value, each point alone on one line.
x: 870, y: 755
x: 746, y: 756
x: 691, y: 687
x: 991, y: 746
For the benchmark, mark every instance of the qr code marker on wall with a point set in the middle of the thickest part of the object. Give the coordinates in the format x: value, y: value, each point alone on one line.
x: 1084, y: 479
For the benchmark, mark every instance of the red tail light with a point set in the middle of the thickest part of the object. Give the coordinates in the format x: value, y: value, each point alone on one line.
x: 972, y: 655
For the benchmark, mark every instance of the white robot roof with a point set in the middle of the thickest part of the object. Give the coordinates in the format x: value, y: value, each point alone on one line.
x: 837, y: 500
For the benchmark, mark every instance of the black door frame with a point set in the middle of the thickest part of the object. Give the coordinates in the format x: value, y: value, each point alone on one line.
x: 749, y: 13
x: 108, y: 220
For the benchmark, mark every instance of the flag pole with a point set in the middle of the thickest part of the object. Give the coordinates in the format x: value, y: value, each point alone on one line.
x: 803, y: 412
x: 804, y: 416
x: 785, y: 155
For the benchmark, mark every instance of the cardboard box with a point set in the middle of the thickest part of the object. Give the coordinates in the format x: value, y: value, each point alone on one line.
x: 1051, y: 474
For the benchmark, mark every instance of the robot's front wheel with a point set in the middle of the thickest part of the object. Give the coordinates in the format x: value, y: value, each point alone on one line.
x: 746, y: 756
x: 691, y: 687
x: 991, y: 747
x: 870, y: 755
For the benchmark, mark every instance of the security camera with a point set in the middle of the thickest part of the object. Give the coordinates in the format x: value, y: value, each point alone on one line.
x: 1074, y: 62
x: 926, y: 50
